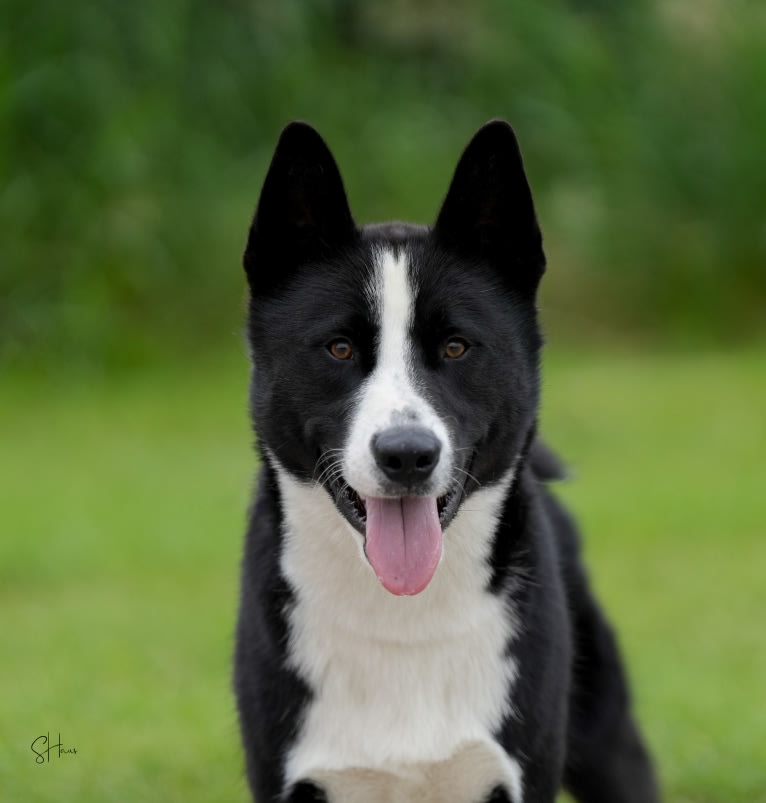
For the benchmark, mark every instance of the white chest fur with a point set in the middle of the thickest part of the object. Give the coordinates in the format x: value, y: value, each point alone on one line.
x: 401, y: 685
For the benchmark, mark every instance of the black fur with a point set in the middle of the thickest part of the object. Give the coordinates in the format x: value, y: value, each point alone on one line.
x: 478, y: 269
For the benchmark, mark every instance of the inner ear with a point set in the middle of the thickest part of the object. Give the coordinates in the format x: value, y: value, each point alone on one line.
x: 302, y: 215
x: 489, y: 212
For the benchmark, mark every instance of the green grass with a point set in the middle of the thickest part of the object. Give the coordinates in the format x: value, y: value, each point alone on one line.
x: 121, y: 514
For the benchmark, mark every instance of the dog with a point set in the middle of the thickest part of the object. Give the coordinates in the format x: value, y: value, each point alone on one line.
x: 415, y: 622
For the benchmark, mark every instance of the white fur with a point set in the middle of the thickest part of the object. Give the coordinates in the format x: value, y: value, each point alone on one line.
x: 407, y: 691
x: 468, y: 775
x: 390, y: 396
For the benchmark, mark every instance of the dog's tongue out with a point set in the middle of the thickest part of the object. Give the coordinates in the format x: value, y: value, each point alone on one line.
x: 404, y: 542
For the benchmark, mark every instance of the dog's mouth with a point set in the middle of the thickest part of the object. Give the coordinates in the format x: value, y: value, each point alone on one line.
x: 403, y: 536
x: 354, y: 508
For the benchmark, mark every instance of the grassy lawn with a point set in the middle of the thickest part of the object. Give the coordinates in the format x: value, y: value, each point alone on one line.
x: 121, y: 510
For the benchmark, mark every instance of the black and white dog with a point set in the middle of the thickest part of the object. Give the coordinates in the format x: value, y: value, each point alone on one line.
x: 415, y: 622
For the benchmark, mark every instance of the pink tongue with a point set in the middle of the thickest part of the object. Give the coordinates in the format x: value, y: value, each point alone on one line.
x: 404, y: 542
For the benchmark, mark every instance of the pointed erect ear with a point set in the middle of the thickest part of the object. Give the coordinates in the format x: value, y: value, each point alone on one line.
x: 488, y: 212
x: 302, y: 213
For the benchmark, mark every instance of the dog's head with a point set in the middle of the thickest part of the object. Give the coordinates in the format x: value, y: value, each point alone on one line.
x: 395, y: 365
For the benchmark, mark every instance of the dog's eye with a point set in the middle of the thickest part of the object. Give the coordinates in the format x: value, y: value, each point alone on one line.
x: 341, y: 349
x: 455, y: 348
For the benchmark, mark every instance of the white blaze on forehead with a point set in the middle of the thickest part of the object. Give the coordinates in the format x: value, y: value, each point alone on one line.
x: 392, y: 296
x: 390, y: 395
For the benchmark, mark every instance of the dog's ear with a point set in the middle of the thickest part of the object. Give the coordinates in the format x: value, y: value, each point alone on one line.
x: 302, y: 214
x: 489, y: 212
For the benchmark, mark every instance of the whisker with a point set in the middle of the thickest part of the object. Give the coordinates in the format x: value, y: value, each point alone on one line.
x: 330, y: 473
x: 468, y: 475
x: 328, y: 466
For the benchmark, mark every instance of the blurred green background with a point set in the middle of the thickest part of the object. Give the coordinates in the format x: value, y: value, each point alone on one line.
x: 133, y: 141
x: 134, y: 137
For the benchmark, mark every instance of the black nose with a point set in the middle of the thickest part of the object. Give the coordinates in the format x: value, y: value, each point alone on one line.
x: 406, y: 455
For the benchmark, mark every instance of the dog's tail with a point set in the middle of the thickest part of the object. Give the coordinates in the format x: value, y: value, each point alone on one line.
x: 545, y: 463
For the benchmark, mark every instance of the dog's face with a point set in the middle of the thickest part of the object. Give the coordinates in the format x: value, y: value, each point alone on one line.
x: 395, y: 365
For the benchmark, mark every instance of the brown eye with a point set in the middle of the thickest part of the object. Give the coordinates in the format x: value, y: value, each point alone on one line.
x: 341, y: 349
x: 455, y: 349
